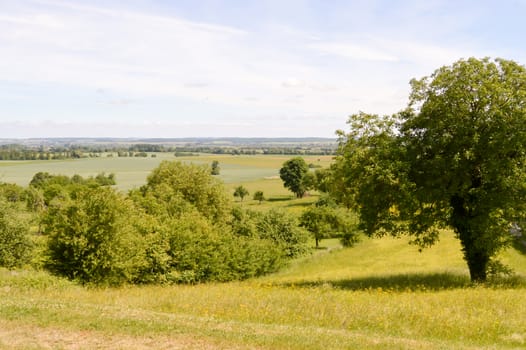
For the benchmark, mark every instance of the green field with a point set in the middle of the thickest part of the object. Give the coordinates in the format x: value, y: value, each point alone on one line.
x: 256, y: 173
x: 380, y: 294
x: 132, y: 172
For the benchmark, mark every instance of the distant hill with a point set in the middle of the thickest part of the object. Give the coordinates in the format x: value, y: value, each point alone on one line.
x: 202, y: 141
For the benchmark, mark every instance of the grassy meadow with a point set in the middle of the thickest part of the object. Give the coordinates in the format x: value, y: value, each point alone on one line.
x: 380, y: 294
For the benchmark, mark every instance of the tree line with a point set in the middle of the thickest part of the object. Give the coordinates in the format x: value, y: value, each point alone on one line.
x: 26, y: 152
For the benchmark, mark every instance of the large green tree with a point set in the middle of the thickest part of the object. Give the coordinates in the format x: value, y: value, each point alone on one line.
x: 294, y: 174
x: 456, y: 157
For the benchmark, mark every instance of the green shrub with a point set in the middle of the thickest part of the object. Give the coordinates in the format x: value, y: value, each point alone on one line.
x: 201, y: 252
x: 244, y: 222
x: 192, y: 183
x: 92, y: 239
x: 281, y: 228
x: 11, y: 192
x: 15, y: 243
x: 324, y: 221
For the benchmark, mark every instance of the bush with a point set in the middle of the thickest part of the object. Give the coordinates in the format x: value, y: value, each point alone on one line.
x: 178, y: 228
x: 11, y: 192
x: 91, y: 238
x: 282, y: 229
x: 194, y: 184
x: 199, y: 252
x: 15, y: 243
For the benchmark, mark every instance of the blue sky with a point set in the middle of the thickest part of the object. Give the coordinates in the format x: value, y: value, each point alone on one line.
x: 230, y: 68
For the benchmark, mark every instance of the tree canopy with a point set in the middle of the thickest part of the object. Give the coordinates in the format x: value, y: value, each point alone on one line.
x: 241, y: 192
x: 455, y: 157
x: 294, y: 175
x: 193, y: 184
x: 259, y: 196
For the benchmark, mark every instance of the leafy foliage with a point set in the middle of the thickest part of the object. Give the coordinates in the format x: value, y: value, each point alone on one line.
x: 283, y: 229
x: 455, y: 157
x: 91, y: 238
x: 188, y: 242
x: 59, y: 186
x: 193, y: 184
x: 326, y: 221
x: 259, y: 196
x: 11, y: 192
x: 178, y: 228
x: 15, y: 244
x: 241, y: 192
x: 199, y: 252
x: 294, y: 174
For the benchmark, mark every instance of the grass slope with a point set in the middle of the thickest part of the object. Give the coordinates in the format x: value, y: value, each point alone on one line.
x: 382, y: 294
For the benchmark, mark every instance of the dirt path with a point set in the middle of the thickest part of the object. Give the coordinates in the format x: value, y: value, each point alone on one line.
x: 15, y: 336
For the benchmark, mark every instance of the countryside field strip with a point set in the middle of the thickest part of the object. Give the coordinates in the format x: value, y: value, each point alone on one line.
x: 15, y: 336
x: 176, y: 331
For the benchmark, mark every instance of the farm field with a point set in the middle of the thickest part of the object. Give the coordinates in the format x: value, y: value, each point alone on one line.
x: 382, y: 294
x: 132, y: 171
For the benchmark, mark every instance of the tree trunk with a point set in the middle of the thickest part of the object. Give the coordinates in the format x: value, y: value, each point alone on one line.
x: 477, y: 263
x: 475, y: 253
x: 476, y: 257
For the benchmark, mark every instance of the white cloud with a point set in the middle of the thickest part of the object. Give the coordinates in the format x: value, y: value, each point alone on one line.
x: 293, y: 83
x: 138, y: 64
x: 353, y: 51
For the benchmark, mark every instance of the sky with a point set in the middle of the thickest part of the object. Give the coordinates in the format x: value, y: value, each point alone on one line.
x: 218, y: 68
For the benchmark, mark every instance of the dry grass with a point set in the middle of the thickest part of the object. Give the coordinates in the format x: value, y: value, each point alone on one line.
x: 14, y: 335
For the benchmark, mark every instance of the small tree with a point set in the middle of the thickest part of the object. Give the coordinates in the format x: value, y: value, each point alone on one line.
x: 324, y: 222
x: 241, y: 192
x: 259, y: 196
x: 294, y: 174
x: 215, y: 168
x: 315, y: 220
